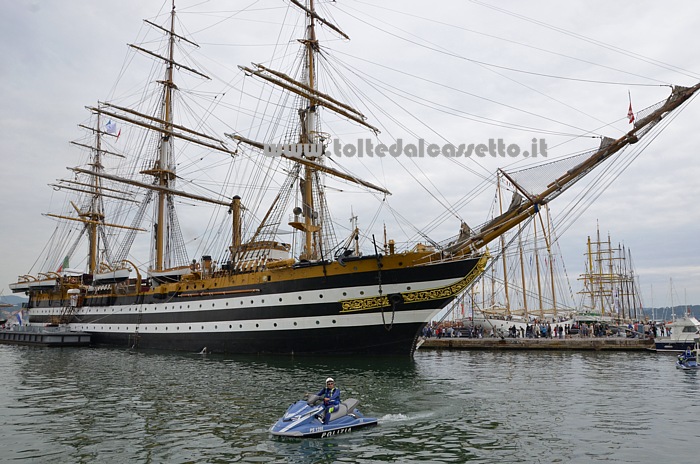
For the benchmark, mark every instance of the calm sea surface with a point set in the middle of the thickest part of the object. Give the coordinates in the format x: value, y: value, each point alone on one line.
x: 102, y: 405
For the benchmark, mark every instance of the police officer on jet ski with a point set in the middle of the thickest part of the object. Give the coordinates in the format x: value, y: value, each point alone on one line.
x: 331, y: 398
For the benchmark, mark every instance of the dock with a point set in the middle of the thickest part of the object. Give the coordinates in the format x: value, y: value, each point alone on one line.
x: 43, y: 336
x: 573, y: 344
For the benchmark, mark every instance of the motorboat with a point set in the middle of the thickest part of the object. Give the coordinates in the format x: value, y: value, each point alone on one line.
x: 684, y: 330
x: 304, y: 419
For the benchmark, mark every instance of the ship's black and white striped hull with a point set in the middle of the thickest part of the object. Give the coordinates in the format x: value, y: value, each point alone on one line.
x: 353, y: 313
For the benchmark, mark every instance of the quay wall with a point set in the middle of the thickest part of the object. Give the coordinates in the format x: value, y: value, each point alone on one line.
x: 496, y: 343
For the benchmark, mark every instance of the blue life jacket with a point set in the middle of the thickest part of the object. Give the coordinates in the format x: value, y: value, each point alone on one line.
x: 333, y: 395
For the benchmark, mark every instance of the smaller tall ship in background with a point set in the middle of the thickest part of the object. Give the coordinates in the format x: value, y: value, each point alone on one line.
x: 526, y: 287
x: 611, y: 292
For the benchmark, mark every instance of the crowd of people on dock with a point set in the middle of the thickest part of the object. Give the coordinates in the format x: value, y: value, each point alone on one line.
x: 537, y: 329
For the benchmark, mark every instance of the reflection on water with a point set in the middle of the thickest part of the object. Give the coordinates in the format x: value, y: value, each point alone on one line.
x: 112, y: 405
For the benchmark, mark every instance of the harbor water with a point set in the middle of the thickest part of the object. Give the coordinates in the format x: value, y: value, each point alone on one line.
x: 105, y: 405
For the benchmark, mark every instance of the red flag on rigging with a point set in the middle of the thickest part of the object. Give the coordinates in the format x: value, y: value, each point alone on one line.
x: 630, y: 114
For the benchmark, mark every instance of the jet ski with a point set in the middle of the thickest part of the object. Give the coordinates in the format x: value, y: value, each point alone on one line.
x: 688, y: 360
x: 304, y: 419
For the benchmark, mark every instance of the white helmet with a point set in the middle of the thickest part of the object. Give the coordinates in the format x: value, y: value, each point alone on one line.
x: 330, y: 379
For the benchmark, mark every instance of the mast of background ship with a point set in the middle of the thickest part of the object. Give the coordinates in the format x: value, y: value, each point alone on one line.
x: 503, y: 254
x: 548, y: 242
x: 590, y: 273
x: 539, y: 277
x: 522, y: 274
x: 635, y: 294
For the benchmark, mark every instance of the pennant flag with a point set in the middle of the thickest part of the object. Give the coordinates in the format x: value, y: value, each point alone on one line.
x: 19, y: 318
x: 630, y: 113
x: 111, y: 127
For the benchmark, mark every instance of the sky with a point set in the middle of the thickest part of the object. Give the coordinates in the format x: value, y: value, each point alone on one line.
x: 444, y: 74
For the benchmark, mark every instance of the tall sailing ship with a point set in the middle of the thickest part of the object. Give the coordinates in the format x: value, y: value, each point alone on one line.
x: 610, y: 287
x: 258, y: 293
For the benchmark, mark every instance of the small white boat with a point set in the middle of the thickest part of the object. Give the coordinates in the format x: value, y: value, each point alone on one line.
x: 111, y: 276
x: 170, y: 275
x: 19, y: 287
x: 42, y: 284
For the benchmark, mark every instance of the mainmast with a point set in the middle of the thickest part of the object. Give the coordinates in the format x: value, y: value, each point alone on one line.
x: 95, y: 214
x: 599, y: 263
x: 168, y: 245
x: 167, y: 167
x: 308, y: 135
x: 306, y: 149
x: 164, y: 170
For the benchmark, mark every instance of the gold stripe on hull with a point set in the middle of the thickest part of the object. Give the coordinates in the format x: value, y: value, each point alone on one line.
x: 418, y: 296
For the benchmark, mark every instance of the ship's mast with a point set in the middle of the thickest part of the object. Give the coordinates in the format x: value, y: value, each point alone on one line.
x: 165, y: 171
x: 588, y: 278
x: 548, y: 242
x: 537, y: 268
x: 313, y: 208
x: 95, y: 206
x: 629, y: 283
x: 356, y: 232
x: 308, y: 128
x: 633, y: 283
x: 611, y: 276
x: 503, y: 247
x: 522, y: 274
x: 599, y: 264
